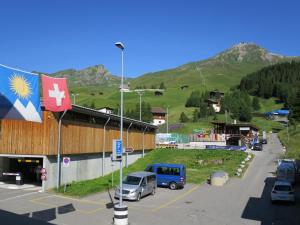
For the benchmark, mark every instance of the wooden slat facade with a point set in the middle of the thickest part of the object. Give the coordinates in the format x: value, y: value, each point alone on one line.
x: 28, y: 138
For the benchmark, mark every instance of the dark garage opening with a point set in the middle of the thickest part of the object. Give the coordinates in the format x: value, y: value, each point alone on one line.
x: 28, y: 167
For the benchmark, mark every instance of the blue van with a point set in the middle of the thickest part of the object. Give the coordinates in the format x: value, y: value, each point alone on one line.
x: 169, y: 175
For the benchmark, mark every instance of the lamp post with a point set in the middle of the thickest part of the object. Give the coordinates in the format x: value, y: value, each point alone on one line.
x: 167, y: 119
x: 140, y: 93
x: 121, y: 211
x: 287, y: 131
x: 121, y: 46
x: 74, y: 98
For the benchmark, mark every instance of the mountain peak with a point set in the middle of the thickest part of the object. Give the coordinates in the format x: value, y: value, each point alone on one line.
x: 92, y: 75
x: 248, y: 52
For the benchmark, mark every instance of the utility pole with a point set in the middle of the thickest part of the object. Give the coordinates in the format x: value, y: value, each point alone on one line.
x: 167, y: 119
x: 140, y: 93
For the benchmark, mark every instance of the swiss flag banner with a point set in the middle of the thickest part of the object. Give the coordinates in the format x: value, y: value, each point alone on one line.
x: 55, y: 94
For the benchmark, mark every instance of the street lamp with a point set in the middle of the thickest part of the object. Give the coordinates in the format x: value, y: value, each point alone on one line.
x: 167, y: 119
x: 121, y: 46
x: 74, y: 98
x: 140, y: 93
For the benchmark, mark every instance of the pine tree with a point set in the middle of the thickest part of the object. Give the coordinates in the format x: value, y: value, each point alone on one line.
x: 195, y: 115
x: 162, y: 86
x: 93, y: 105
x: 295, y: 107
x: 183, y: 118
x: 245, y: 113
x: 255, y: 104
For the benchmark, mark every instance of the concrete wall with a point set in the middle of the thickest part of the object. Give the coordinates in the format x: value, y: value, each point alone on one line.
x: 83, y: 167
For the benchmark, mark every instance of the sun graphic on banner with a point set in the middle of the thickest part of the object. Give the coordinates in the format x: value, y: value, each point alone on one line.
x: 20, y: 86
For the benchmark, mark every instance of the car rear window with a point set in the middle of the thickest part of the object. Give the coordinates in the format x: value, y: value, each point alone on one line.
x: 282, y: 188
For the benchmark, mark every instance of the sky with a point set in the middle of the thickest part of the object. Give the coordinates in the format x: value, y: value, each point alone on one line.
x: 53, y: 35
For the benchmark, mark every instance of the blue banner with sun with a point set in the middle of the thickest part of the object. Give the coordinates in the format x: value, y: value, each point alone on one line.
x: 19, y: 95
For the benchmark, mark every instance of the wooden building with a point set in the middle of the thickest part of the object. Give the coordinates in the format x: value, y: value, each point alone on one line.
x: 159, y: 115
x: 85, y: 134
x: 215, y: 100
x: 236, y: 133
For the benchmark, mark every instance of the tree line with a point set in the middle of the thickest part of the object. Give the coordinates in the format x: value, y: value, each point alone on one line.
x: 280, y: 81
x: 238, y: 104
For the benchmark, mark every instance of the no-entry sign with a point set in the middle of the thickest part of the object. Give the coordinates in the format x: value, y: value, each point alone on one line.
x: 66, y: 161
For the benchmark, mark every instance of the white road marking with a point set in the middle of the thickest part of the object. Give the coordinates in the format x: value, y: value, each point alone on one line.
x: 18, y: 196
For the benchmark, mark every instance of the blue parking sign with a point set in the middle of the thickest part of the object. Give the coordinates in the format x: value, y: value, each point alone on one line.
x: 119, y: 148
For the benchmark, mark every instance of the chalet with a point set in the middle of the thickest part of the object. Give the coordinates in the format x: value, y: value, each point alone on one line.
x: 183, y: 87
x: 158, y: 93
x: 106, y: 110
x: 126, y: 88
x: 216, y: 94
x: 86, y: 137
x: 215, y: 100
x: 237, y: 133
x: 159, y: 115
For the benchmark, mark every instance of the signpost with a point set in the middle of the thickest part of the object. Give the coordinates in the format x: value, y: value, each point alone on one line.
x: 66, y: 164
x: 43, y: 174
x: 127, y: 151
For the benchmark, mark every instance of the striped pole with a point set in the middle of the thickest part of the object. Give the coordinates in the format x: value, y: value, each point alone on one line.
x: 120, y: 215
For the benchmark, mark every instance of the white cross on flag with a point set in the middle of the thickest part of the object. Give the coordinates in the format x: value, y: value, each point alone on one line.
x: 55, y: 94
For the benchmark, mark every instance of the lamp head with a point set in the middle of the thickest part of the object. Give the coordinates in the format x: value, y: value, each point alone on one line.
x: 120, y: 45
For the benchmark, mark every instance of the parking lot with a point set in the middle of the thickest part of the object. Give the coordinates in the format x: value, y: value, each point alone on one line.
x: 59, y: 209
x: 241, y: 201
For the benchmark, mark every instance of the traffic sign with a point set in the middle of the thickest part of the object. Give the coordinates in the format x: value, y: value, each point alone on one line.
x: 66, y: 161
x: 43, y: 171
x: 117, y: 149
x: 129, y: 149
x: 43, y: 177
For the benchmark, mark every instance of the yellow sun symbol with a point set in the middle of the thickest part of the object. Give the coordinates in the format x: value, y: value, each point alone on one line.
x: 20, y: 86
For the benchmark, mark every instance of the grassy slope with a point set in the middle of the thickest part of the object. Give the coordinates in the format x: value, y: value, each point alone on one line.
x: 292, y: 141
x: 196, y: 173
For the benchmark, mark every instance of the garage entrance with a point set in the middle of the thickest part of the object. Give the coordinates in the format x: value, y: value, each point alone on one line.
x: 14, y: 168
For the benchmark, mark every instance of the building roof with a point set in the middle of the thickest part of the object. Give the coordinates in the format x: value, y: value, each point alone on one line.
x: 95, y: 113
x: 217, y: 91
x: 214, y: 101
x: 105, y: 107
x: 158, y: 110
x: 280, y: 112
x: 125, y: 86
x: 235, y: 124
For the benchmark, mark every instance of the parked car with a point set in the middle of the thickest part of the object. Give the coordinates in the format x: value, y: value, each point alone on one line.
x: 286, y: 171
x: 257, y: 147
x: 289, y: 161
x: 283, y: 191
x: 169, y: 175
x: 264, y: 141
x: 136, y: 185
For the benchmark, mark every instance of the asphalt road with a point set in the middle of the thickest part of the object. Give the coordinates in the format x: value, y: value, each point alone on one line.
x: 241, y: 201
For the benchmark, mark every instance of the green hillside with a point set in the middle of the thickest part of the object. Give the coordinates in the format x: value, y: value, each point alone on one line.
x: 97, y: 87
x: 219, y: 72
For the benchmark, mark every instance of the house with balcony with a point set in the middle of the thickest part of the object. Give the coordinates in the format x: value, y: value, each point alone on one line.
x: 159, y: 115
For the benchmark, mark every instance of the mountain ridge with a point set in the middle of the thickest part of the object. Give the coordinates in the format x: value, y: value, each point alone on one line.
x: 233, y: 63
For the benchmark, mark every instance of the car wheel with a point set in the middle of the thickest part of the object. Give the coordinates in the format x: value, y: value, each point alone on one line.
x: 138, y: 198
x: 153, y: 191
x: 173, y: 186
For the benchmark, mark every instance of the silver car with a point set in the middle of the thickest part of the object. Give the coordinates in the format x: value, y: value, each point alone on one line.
x: 137, y: 185
x: 283, y: 191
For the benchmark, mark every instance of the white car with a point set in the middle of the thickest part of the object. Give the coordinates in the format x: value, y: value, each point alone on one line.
x: 283, y: 191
